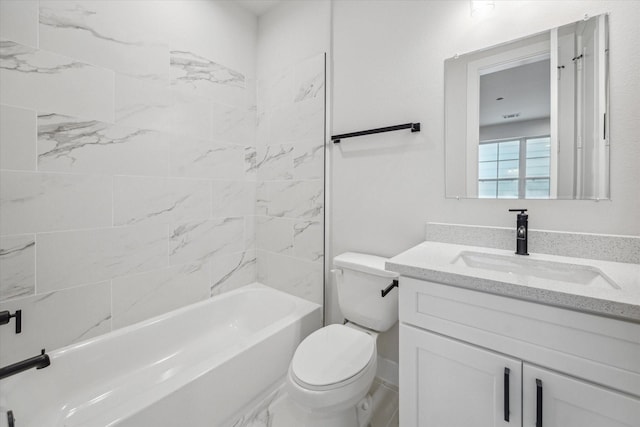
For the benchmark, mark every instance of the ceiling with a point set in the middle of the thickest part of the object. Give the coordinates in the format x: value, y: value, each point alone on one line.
x: 258, y: 7
x: 524, y: 89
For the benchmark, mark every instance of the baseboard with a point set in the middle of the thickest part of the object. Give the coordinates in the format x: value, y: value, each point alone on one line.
x: 388, y: 371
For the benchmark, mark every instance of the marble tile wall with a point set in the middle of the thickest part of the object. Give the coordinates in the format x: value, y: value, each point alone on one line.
x: 289, y: 166
x: 128, y: 164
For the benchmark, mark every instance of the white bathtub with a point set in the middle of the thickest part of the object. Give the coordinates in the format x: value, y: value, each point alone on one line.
x: 196, y: 366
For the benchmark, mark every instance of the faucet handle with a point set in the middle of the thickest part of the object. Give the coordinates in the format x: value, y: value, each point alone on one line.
x: 518, y: 210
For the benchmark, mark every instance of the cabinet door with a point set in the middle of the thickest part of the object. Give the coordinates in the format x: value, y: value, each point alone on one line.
x: 551, y: 399
x: 446, y: 383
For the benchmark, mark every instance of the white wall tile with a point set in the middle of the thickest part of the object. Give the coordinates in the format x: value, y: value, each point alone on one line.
x: 201, y: 240
x: 32, y: 202
x: 17, y: 138
x: 250, y: 163
x: 232, y: 271
x: 86, y: 256
x: 297, y: 277
x: 294, y: 199
x: 68, y: 144
x: 45, y: 81
x: 19, y: 21
x: 308, y: 160
x: 274, y: 162
x: 144, y: 295
x: 275, y: 234
x: 56, y: 319
x: 302, y: 121
x: 250, y: 226
x: 219, y: 31
x: 115, y: 35
x: 159, y: 200
x: 275, y: 91
x: 308, y: 240
x: 308, y: 81
x: 234, y: 198
x: 17, y: 266
x: 262, y: 198
x: 233, y: 124
x: 193, y: 73
x: 152, y: 105
x: 205, y: 158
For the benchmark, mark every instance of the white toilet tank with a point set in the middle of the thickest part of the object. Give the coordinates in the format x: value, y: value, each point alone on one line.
x: 359, y: 281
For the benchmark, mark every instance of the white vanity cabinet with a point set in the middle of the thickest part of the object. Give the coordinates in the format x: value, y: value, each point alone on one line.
x: 445, y: 382
x: 462, y: 350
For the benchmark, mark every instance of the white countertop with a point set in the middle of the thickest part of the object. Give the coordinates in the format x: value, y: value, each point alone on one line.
x: 433, y: 261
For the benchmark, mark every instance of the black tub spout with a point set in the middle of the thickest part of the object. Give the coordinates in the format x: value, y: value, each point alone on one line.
x: 40, y: 361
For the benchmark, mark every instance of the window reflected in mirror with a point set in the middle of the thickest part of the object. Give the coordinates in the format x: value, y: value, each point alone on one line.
x: 514, y: 168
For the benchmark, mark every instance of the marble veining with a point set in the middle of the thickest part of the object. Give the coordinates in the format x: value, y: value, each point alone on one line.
x: 204, y: 158
x: 308, y: 240
x: 44, y: 81
x: 120, y: 36
x: 144, y: 295
x: 250, y: 162
x: 153, y: 105
x: 59, y: 136
x: 86, y: 313
x: 262, y: 414
x: 201, y: 240
x: 295, y: 199
x: 17, y: 266
x: 24, y: 59
x: 88, y: 332
x: 275, y: 162
x: 275, y: 234
x: 309, y: 78
x: 73, y: 258
x: 35, y: 202
x: 232, y: 272
x: 311, y: 88
x: 190, y: 68
x: 75, y: 17
x: 160, y: 200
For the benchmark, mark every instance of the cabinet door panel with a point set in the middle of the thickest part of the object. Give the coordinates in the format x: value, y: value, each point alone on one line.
x: 569, y: 402
x: 446, y: 383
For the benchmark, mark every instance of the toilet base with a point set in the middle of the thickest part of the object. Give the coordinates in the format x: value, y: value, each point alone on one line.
x: 354, y: 416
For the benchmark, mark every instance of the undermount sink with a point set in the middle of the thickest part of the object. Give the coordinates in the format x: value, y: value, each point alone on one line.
x: 523, y: 266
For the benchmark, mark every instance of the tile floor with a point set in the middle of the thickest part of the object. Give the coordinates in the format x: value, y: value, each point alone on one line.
x: 277, y: 410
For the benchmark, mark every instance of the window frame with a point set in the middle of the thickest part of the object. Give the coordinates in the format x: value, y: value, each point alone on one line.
x: 522, y: 167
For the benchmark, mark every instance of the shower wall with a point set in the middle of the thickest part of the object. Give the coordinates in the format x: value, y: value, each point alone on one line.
x: 292, y: 41
x: 128, y: 164
x: 290, y: 165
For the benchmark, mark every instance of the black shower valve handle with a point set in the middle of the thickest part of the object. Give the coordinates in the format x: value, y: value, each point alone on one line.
x: 5, y: 317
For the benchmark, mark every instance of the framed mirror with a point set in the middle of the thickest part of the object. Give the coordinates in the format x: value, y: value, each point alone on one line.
x: 528, y: 119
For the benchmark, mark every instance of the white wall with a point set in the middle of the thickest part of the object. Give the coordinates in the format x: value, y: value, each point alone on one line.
x: 388, y: 69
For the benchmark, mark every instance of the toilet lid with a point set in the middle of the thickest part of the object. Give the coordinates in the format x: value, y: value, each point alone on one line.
x: 331, y: 355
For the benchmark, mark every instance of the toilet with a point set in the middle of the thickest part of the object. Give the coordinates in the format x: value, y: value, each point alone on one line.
x: 333, y: 368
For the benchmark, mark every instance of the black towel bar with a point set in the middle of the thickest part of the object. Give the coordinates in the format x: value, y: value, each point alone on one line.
x: 415, y: 127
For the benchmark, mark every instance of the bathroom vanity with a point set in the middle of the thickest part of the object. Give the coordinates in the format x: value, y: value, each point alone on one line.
x: 490, y: 338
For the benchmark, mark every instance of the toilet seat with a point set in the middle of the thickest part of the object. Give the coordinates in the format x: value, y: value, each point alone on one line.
x: 332, y: 357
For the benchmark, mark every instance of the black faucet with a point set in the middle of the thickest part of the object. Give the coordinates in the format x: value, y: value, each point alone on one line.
x: 522, y: 231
